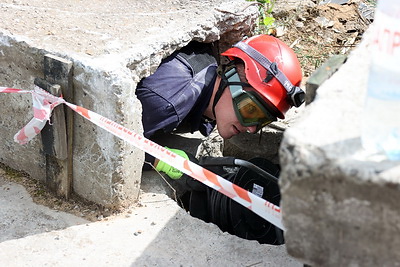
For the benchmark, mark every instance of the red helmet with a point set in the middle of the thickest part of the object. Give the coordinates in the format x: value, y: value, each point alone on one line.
x: 272, y: 69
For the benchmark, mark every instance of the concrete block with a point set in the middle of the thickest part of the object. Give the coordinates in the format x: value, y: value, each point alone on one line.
x: 112, y: 46
x: 340, y: 206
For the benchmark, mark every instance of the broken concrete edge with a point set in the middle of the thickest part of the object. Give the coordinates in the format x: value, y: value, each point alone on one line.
x: 106, y: 84
x: 333, y: 217
x: 336, y: 213
x: 338, y: 204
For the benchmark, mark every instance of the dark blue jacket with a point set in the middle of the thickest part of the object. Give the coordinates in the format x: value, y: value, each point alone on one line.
x: 179, y: 91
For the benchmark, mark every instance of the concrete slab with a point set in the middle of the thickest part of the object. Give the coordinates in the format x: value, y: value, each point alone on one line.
x: 340, y: 205
x: 21, y: 217
x: 112, y: 45
x: 155, y: 233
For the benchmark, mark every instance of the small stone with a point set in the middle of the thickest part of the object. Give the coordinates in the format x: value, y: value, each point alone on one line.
x: 137, y: 232
x: 324, y: 22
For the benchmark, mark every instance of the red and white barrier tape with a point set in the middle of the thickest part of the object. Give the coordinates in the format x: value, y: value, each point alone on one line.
x: 44, y: 103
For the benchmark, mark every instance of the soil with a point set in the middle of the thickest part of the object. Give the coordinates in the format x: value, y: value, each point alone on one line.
x: 315, y: 32
x: 318, y: 31
x: 42, y: 196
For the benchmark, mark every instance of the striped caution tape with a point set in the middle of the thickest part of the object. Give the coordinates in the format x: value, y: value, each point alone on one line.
x: 44, y: 103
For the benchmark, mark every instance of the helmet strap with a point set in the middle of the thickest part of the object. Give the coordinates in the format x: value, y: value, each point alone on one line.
x: 296, y: 94
x: 222, y: 70
x: 226, y: 81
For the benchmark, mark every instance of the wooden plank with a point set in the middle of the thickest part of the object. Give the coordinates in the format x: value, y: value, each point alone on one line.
x: 54, y: 135
x: 58, y: 136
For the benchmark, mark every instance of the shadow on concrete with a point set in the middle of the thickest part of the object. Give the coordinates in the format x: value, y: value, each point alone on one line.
x: 155, y: 233
x: 186, y: 241
x: 21, y: 217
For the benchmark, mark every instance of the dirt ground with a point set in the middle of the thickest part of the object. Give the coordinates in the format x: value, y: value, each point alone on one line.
x: 315, y: 32
x: 41, y: 195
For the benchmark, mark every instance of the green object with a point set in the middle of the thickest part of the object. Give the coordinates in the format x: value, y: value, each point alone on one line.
x: 172, y: 172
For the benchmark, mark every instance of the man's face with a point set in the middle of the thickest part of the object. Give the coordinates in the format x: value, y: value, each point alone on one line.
x: 228, y: 124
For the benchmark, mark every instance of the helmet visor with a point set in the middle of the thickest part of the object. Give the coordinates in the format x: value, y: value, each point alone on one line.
x: 250, y: 111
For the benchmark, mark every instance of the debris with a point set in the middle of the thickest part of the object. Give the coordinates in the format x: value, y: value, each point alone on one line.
x: 366, y: 13
x: 320, y: 31
x: 324, y: 22
x: 296, y: 42
x: 339, y: 2
x: 280, y: 31
x: 137, y: 233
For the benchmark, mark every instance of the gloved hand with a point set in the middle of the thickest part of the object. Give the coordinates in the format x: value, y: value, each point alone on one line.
x: 172, y: 172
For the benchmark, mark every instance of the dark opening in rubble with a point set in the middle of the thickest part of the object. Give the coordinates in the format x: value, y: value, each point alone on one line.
x: 212, y: 206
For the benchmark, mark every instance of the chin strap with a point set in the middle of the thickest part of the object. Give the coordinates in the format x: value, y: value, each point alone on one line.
x: 223, y: 83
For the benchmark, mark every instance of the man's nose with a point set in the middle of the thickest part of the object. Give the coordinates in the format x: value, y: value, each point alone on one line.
x: 251, y: 129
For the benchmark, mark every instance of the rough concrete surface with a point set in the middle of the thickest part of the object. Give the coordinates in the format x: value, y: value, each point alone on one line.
x: 156, y: 233
x: 21, y: 217
x: 340, y: 205
x: 112, y: 45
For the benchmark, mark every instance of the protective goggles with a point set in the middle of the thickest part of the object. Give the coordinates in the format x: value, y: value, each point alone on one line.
x: 248, y: 108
